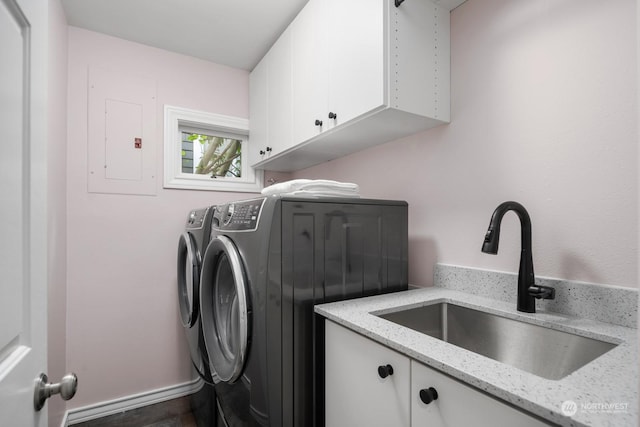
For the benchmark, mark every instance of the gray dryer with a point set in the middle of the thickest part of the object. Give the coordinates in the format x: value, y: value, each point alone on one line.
x: 269, y: 260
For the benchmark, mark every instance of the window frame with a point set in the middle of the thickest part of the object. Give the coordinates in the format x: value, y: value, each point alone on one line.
x: 175, y: 120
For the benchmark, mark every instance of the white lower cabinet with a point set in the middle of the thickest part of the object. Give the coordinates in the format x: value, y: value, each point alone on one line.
x: 458, y: 404
x: 357, y: 395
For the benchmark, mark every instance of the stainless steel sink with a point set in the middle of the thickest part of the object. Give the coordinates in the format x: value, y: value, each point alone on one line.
x: 542, y: 351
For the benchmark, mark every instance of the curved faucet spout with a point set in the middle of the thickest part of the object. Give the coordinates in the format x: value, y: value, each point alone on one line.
x: 527, y: 289
x: 492, y: 238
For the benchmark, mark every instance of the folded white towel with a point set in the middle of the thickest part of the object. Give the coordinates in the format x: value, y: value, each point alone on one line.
x: 313, y: 188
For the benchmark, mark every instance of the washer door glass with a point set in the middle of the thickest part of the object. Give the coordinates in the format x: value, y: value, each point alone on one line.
x: 188, y: 279
x: 225, y: 309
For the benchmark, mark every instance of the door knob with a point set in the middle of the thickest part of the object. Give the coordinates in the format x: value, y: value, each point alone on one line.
x: 44, y: 389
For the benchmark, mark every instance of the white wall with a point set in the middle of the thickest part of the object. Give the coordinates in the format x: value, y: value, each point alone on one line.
x: 544, y: 112
x: 123, y: 330
x: 57, y: 203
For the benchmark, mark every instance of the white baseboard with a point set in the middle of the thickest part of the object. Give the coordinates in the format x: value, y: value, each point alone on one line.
x: 103, y: 409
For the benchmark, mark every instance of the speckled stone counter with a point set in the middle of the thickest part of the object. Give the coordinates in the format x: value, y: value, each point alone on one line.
x: 605, y: 390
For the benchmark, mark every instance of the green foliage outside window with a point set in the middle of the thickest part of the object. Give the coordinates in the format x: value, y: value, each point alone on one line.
x: 221, y: 157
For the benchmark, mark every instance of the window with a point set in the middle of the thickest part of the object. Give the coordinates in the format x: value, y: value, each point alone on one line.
x: 205, y: 151
x: 215, y: 155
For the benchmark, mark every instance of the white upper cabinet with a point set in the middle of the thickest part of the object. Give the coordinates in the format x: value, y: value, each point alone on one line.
x: 258, y: 113
x: 351, y: 74
x: 310, y: 71
x: 270, y: 102
x: 356, y: 57
x: 279, y: 104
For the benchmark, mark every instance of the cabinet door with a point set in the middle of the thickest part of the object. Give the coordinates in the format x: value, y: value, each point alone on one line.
x: 279, y: 97
x: 458, y: 404
x: 355, y: 395
x: 310, y: 73
x: 356, y: 57
x: 258, y: 107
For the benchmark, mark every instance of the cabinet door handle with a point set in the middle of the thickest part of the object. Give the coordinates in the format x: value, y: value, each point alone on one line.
x: 428, y: 395
x: 385, y: 370
x: 263, y: 152
x: 333, y: 115
x: 318, y: 122
x: 268, y: 149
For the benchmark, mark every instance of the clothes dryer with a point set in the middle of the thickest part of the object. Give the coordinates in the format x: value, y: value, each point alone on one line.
x: 191, y: 247
x: 269, y: 260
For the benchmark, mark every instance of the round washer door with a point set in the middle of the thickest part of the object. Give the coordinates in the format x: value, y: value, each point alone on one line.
x: 224, y: 309
x: 188, y: 279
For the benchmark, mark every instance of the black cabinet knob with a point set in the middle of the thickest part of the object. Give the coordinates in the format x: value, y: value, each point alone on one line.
x: 262, y: 152
x: 268, y: 149
x: 318, y: 122
x: 333, y: 115
x: 428, y: 395
x: 385, y: 370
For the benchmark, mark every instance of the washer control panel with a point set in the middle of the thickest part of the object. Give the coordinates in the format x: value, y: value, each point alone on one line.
x: 238, y: 216
x: 196, y: 218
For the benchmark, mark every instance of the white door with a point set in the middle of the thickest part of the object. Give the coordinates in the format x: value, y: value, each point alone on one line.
x: 23, y: 230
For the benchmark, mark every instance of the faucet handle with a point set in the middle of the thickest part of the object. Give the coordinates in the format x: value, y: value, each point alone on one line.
x: 542, y: 292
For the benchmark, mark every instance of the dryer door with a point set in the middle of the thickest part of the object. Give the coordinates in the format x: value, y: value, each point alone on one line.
x: 188, y: 279
x: 224, y: 309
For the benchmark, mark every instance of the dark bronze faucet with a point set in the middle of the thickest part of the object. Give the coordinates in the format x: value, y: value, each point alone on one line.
x: 528, y: 291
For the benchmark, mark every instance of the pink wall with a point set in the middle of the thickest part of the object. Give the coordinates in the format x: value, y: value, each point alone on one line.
x: 57, y: 203
x: 544, y: 112
x: 123, y: 331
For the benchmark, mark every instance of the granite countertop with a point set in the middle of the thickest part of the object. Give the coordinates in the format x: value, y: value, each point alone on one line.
x: 605, y: 390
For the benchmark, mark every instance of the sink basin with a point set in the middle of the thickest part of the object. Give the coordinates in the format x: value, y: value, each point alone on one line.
x: 542, y: 351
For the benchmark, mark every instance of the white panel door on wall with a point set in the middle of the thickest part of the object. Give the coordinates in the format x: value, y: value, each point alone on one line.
x: 23, y: 227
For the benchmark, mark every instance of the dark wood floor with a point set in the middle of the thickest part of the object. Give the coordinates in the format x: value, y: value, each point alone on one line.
x: 172, y: 413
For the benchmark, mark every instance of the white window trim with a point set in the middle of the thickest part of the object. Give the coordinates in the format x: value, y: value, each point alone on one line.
x: 175, y: 117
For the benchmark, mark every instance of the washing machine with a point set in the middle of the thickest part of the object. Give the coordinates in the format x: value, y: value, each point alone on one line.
x: 269, y: 260
x: 191, y: 247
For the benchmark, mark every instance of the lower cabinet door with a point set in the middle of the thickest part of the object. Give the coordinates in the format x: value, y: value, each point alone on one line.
x: 458, y: 404
x: 356, y: 394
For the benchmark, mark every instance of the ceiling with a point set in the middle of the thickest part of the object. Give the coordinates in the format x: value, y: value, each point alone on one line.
x: 236, y: 33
